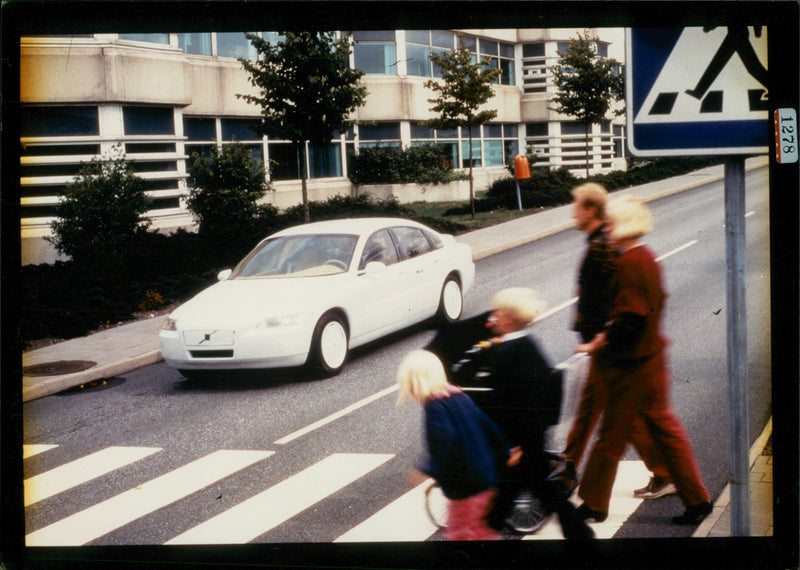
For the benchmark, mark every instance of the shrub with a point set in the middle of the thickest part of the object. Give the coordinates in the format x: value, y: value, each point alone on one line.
x: 226, y: 188
x: 100, y: 214
x: 422, y: 164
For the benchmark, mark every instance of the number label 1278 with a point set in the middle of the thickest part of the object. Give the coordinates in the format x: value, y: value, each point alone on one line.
x: 786, y: 135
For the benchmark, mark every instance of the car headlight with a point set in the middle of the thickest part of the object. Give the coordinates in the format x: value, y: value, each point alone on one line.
x: 169, y: 325
x: 289, y: 320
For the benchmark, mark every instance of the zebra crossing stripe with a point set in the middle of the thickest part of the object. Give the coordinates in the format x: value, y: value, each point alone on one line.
x: 35, y: 449
x: 631, y: 475
x: 102, y: 518
x: 268, y: 509
x: 403, y: 520
x: 81, y: 470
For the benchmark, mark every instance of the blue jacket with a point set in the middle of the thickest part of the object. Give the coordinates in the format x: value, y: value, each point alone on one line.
x: 465, y: 448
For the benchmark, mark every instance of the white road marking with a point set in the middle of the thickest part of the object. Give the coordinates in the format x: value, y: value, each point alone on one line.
x: 403, y: 520
x: 102, y: 518
x: 268, y: 509
x: 631, y: 475
x: 35, y: 449
x: 557, y: 308
x: 86, y: 468
x: 335, y: 416
x: 677, y: 250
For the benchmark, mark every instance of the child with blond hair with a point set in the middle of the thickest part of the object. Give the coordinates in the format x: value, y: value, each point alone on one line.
x: 465, y: 448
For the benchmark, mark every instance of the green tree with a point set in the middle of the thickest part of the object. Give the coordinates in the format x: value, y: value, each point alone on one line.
x: 101, y: 213
x: 306, y: 89
x: 226, y: 187
x: 588, y: 85
x: 465, y: 86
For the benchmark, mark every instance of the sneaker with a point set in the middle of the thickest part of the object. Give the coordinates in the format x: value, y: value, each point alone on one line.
x: 655, y: 489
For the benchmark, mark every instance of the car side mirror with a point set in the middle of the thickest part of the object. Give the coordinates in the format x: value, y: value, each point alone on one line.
x: 224, y: 274
x: 374, y: 267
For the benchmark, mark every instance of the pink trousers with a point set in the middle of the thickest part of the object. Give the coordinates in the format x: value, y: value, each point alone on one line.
x: 467, y: 518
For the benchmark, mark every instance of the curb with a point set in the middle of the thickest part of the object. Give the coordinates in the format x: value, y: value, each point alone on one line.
x: 56, y: 384
x: 723, y: 501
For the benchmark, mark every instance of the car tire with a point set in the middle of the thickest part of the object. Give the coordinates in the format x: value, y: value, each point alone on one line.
x: 451, y: 301
x: 329, y: 346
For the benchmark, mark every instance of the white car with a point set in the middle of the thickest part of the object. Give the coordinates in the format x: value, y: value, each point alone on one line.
x: 309, y: 294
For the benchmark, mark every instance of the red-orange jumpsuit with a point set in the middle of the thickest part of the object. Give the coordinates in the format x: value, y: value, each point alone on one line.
x: 634, y: 371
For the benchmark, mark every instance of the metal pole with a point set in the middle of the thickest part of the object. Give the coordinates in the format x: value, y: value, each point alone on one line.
x: 738, y: 411
x: 519, y: 197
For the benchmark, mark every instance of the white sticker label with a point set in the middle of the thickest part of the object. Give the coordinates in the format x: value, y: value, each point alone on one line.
x: 786, y: 136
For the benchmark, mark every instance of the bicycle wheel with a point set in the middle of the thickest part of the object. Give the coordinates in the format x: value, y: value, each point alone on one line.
x: 528, y: 514
x: 437, y: 506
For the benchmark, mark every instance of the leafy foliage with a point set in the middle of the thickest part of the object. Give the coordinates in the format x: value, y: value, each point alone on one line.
x: 226, y: 188
x: 423, y: 164
x: 306, y: 89
x: 588, y: 85
x: 100, y: 213
x: 465, y: 86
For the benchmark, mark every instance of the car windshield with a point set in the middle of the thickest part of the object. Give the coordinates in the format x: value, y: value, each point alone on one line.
x: 298, y: 256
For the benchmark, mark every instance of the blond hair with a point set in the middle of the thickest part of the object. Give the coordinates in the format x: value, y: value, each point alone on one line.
x: 521, y: 303
x: 630, y: 218
x: 421, y: 375
x: 591, y: 195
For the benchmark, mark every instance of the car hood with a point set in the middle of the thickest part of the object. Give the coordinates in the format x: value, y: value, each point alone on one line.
x: 239, y: 302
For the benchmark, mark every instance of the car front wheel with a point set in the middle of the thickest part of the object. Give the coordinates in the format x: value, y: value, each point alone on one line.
x: 329, y: 346
x: 452, y: 301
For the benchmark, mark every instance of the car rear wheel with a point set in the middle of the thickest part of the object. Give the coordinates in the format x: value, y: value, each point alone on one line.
x: 451, y: 302
x: 329, y: 346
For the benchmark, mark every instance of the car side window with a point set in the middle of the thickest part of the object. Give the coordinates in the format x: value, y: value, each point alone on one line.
x: 412, y: 241
x: 379, y: 247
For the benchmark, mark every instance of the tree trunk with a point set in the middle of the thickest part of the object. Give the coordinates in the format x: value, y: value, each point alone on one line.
x: 471, y: 191
x: 304, y: 182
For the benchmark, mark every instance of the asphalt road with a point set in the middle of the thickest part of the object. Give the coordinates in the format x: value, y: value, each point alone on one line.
x: 278, y: 412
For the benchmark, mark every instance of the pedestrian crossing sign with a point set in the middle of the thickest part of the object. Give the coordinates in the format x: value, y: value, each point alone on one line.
x: 697, y: 91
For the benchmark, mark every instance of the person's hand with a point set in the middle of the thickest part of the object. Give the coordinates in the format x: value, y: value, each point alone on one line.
x: 514, y: 456
x: 598, y: 342
x: 415, y: 477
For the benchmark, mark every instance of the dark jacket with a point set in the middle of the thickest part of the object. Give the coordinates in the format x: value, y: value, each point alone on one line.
x: 524, y: 390
x: 595, y: 276
x: 465, y: 448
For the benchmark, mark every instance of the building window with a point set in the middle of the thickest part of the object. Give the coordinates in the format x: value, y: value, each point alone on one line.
x: 201, y: 135
x: 325, y: 161
x: 534, y: 68
x: 501, y: 56
x: 380, y: 134
x: 150, y: 38
x: 240, y: 130
x: 235, y: 44
x: 375, y: 53
x: 619, y: 141
x: 284, y: 161
x: 148, y: 120
x: 199, y: 44
x: 447, y: 139
x: 59, y: 121
x: 420, y: 44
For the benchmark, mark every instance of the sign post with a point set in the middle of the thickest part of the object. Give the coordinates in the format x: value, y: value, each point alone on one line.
x: 703, y: 91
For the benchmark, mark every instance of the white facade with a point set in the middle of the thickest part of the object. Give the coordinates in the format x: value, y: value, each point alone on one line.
x: 164, y: 96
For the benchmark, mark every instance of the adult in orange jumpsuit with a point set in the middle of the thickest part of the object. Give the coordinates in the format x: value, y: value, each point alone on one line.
x: 631, y: 359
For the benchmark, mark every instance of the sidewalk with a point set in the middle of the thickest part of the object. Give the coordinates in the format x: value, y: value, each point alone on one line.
x: 131, y: 346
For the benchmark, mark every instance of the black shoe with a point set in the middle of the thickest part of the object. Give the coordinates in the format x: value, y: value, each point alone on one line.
x: 586, y: 513
x: 572, y: 524
x: 695, y: 514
